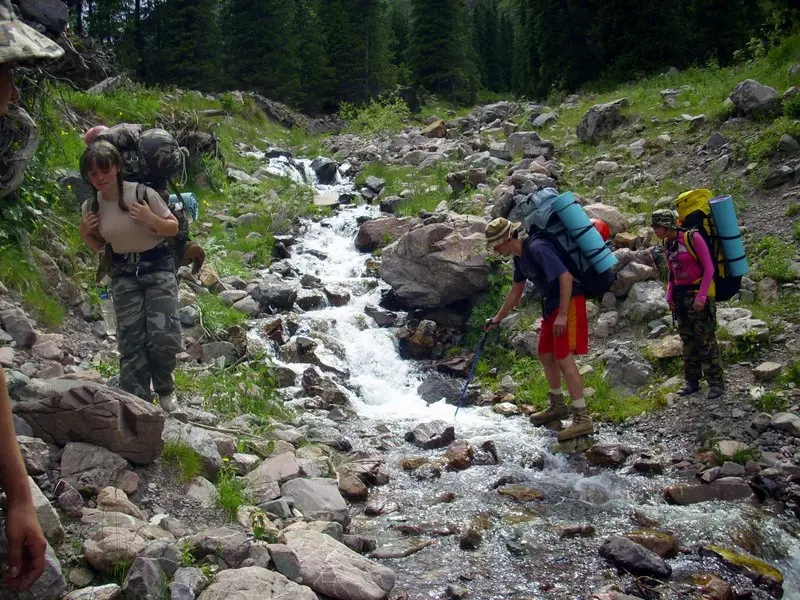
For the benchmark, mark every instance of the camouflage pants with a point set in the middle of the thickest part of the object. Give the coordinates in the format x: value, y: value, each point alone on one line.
x: 148, y: 329
x: 698, y: 333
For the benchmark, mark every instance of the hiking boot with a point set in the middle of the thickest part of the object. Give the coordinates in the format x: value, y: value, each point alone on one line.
x: 168, y: 402
x: 715, y: 391
x: 581, y: 425
x: 690, y: 388
x: 555, y: 411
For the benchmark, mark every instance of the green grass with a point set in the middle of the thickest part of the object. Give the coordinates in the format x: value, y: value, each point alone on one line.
x: 428, y: 187
x: 247, y: 388
x: 741, y: 457
x: 217, y: 317
x: 182, y: 455
x: 230, y: 492
x: 773, y: 258
x: 770, y: 402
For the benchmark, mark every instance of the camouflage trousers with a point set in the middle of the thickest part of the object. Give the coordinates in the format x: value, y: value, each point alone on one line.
x: 148, y: 329
x: 698, y: 333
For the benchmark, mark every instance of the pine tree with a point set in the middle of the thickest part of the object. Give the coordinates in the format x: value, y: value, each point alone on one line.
x: 262, y: 52
x: 442, y: 57
x: 188, y: 45
x: 316, y: 77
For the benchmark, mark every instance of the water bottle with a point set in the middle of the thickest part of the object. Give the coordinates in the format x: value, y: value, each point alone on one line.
x: 109, y: 318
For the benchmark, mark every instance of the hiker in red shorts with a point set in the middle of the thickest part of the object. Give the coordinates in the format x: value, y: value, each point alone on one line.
x: 565, y: 328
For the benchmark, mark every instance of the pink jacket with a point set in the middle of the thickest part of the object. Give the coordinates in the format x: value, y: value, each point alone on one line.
x: 685, y: 270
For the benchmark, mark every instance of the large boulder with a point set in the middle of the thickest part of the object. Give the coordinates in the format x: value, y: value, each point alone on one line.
x: 254, y: 583
x: 378, y: 232
x: 100, y: 415
x: 52, y: 14
x: 751, y: 98
x: 436, y: 265
x: 331, y: 568
x: 600, y: 119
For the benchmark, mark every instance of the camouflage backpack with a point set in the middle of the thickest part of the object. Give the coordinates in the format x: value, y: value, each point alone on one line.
x: 154, y: 158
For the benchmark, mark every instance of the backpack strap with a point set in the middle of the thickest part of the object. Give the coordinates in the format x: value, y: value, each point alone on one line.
x: 689, y: 243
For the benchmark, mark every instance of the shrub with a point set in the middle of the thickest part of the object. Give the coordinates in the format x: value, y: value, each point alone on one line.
x: 379, y: 117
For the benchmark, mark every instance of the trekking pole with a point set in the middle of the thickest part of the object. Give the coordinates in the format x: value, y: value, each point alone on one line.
x: 478, y: 350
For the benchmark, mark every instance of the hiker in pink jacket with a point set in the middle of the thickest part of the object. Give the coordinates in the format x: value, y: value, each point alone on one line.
x: 690, y: 295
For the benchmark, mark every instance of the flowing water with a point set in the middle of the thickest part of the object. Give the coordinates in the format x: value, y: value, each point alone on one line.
x: 521, y: 555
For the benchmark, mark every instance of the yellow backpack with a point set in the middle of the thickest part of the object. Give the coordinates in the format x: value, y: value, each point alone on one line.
x: 694, y: 214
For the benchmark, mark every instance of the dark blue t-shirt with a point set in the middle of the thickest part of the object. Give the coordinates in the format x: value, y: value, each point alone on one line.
x: 541, y: 264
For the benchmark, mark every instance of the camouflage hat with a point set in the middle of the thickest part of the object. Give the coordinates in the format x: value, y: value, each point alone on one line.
x: 498, y: 231
x: 664, y: 218
x: 21, y: 43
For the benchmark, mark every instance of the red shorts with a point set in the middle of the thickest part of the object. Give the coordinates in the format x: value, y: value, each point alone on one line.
x: 575, y: 339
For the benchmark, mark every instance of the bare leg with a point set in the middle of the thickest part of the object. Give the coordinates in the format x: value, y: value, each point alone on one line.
x: 573, y: 378
x: 552, y: 371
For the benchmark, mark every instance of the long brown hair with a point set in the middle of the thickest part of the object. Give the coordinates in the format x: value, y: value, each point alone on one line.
x: 103, y: 155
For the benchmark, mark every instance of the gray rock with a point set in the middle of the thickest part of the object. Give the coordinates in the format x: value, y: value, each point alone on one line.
x: 46, y: 514
x: 192, y: 578
x: 188, y: 315
x: 545, y: 118
x: 788, y: 422
x: 90, y: 468
x: 634, y: 558
x: 436, y: 265
x: 430, y: 435
x: 230, y: 545
x: 645, y: 302
x: 18, y: 327
x: 331, y: 568
x: 35, y: 454
x: 166, y: 553
x: 110, y: 546
x: 751, y: 98
x: 529, y: 145
x: 272, y: 293
x: 317, y: 498
x: 600, y: 119
x: 255, y: 583
x: 231, y: 297
x: 110, y: 591
x: 52, y: 14
x: 778, y: 177
x: 248, y: 306
x: 716, y: 141
x: 201, y: 441
x: 325, y: 168
x: 50, y: 586
x: 788, y: 145
x: 145, y: 580
x: 285, y: 561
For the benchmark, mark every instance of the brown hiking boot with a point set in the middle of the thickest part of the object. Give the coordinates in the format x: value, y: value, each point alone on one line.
x: 581, y: 425
x: 556, y: 410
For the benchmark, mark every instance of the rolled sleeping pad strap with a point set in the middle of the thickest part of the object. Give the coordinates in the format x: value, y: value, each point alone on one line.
x: 730, y: 235
x: 581, y: 230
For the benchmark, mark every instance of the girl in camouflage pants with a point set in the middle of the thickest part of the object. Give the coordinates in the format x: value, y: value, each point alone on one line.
x: 690, y: 295
x: 131, y: 223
